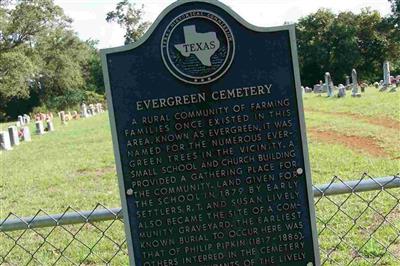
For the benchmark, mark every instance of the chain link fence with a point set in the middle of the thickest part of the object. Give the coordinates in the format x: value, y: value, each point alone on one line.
x: 358, y: 224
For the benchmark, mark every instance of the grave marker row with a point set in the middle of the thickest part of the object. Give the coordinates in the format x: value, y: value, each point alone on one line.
x: 12, y: 136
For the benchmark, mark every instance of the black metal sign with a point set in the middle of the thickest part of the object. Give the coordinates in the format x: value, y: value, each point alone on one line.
x: 209, y: 139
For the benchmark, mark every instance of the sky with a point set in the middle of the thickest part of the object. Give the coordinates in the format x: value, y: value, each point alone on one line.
x: 89, y: 15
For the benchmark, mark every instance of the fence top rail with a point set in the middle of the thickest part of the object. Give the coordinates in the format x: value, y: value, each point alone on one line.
x: 363, y: 185
x: 104, y: 214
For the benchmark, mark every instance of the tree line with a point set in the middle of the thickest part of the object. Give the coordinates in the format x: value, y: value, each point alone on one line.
x: 337, y: 43
x: 43, y: 63
x: 45, y: 66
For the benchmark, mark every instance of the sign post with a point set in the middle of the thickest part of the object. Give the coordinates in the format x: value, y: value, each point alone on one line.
x: 209, y: 141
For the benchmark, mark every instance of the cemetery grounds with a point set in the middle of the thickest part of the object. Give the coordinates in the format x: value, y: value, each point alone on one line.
x: 74, y: 166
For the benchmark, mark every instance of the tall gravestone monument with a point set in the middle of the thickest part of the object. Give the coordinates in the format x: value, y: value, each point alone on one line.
x: 329, y: 85
x: 386, y: 74
x: 209, y: 140
x: 354, y: 80
x: 347, y: 78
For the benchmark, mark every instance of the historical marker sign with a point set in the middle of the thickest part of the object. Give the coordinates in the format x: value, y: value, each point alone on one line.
x: 209, y: 139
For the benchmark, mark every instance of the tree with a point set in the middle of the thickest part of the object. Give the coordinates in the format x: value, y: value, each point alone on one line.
x: 21, y: 22
x: 62, y: 55
x: 15, y: 76
x: 129, y: 18
x: 42, y: 61
x: 395, y: 4
x: 314, y: 45
x: 337, y: 43
x: 28, y: 19
x: 393, y: 24
x: 92, y: 70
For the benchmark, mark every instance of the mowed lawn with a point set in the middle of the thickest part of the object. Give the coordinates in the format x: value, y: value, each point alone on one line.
x: 74, y: 166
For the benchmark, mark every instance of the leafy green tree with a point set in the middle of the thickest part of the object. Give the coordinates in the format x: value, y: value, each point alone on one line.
x: 314, y: 45
x: 21, y: 24
x: 92, y: 70
x: 28, y: 19
x: 392, y: 25
x: 337, y: 43
x: 62, y: 56
x: 15, y: 76
x: 130, y: 18
x: 42, y: 58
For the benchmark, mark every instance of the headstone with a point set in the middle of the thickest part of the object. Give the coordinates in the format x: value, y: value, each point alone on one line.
x: 75, y: 115
x: 63, y: 118
x: 342, y: 91
x: 211, y: 155
x: 5, y: 143
x: 21, y: 120
x: 26, y: 134
x: 84, y: 112
x: 303, y: 90
x: 50, y: 125
x: 348, y: 86
x: 39, y: 127
x: 317, y: 88
x: 386, y: 74
x: 13, y: 133
x: 92, y: 109
x: 329, y: 85
x: 27, y: 119
x: 18, y: 124
x: 354, y: 91
x: 363, y: 86
x: 308, y: 89
x: 98, y: 108
x: 376, y: 85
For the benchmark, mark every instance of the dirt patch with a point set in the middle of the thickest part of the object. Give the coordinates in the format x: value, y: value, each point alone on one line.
x: 97, y: 172
x: 103, y: 171
x: 381, y: 121
x: 356, y: 143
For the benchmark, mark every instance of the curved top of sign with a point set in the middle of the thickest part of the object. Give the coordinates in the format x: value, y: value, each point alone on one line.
x: 181, y: 2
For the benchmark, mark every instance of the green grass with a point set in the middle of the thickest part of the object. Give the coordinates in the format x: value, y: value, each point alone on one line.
x: 74, y: 166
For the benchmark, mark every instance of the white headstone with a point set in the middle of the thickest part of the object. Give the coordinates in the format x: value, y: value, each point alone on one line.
x: 63, y: 118
x: 92, y: 109
x: 21, y: 120
x: 13, y: 133
x: 50, y: 125
x: 5, y: 143
x: 39, y: 127
x: 84, y: 112
x: 27, y: 119
x: 26, y: 134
